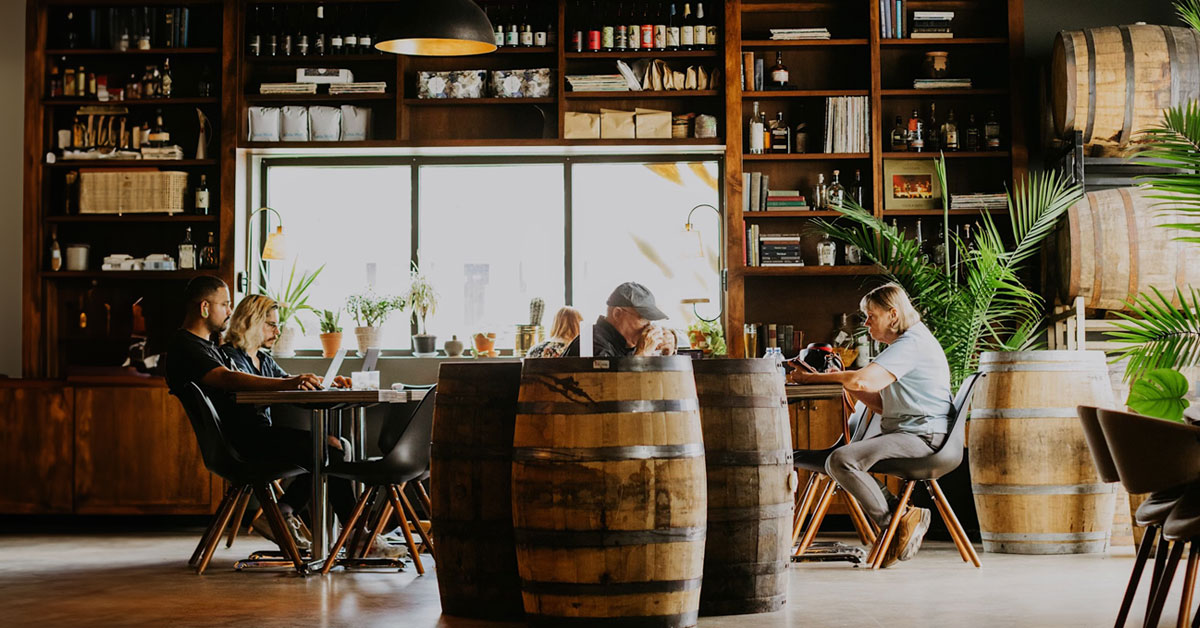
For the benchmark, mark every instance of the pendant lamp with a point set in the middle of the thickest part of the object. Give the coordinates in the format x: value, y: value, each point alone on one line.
x: 437, y: 28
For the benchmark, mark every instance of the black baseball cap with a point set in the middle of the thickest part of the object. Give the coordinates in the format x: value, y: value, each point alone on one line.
x: 638, y: 297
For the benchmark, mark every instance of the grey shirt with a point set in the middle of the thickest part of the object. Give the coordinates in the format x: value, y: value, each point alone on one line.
x: 919, y: 401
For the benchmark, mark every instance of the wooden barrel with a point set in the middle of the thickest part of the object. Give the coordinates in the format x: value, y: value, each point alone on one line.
x: 471, y: 489
x: 1036, y: 489
x: 609, y: 492
x: 748, y: 454
x: 1114, y: 81
x: 1112, y: 247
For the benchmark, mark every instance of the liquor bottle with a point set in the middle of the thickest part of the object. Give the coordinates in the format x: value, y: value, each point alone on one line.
x: 921, y: 244
x: 949, y: 133
x: 800, y: 136
x: 916, y: 132
x: 931, y: 131
x: 835, y: 194
x: 660, y: 29
x: 55, y: 88
x: 166, y: 83
x: 856, y: 190
x: 818, y: 195
x: 80, y: 82
x: 158, y: 137
x: 647, y: 28
x: 972, y: 133
x: 712, y: 39
x: 781, y: 135
x: 756, y: 131
x: 854, y: 255
x: 187, y: 252
x: 593, y: 33
x: 578, y: 33
x: 634, y: 32
x: 285, y: 36
x: 608, y: 33
x: 205, y: 84
x: 512, y: 33
x: 687, y: 32
x: 366, y: 42
x: 122, y: 43
x: 779, y: 72
x: 337, y: 45
x: 349, y: 33
x: 72, y: 34
x: 939, y: 248
x: 497, y: 26
x: 541, y: 35
x: 826, y: 251
x: 272, y: 36
x: 56, y: 260
x: 149, y: 83
x: 202, y: 207
x: 621, y: 30
x: 255, y: 36
x: 673, y: 29
x: 526, y: 32
x: 700, y: 29
x: 318, y: 41
x: 991, y: 131
x: 900, y: 136
x: 208, y: 253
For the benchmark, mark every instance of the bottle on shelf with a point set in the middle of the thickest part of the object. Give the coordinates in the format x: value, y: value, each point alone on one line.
x: 493, y: 15
x: 366, y: 42
x: 779, y: 72
x: 204, y: 85
x: 700, y: 34
x: 56, y: 259
x: 55, y: 88
x: 158, y: 137
x: 608, y: 33
x: 757, y: 128
x: 921, y: 244
x: 302, y: 41
x: 800, y: 136
x: 122, y: 43
x: 68, y: 87
x: 949, y: 133
x: 208, y: 253
x: 711, y: 38
x: 594, y: 26
x: 939, y: 247
x: 835, y: 194
x: 337, y: 45
x: 900, y: 136
x: 854, y: 255
x: 634, y: 32
x: 647, y: 28
x: 856, y: 189
x: 578, y: 33
x: 285, y: 35
x: 72, y: 34
x: 972, y: 143
x: 621, y: 30
x: 781, y: 135
x: 143, y: 42
x: 991, y: 131
x: 202, y: 203
x: 916, y: 133
x: 673, y: 29
x: 818, y: 194
x: 166, y: 83
x: 254, y: 37
x: 826, y: 251
x: 187, y: 252
x: 512, y: 32
x: 660, y: 29
x: 319, y: 29
x: 272, y: 35
x: 541, y: 36
x: 932, y: 143
x: 349, y: 33
x: 149, y: 83
x: 687, y: 32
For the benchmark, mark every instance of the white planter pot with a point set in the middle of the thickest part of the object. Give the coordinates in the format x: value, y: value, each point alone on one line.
x: 285, y: 345
x: 368, y: 337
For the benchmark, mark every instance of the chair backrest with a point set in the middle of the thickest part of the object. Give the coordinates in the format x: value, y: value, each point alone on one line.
x: 411, y: 451
x: 1151, y: 454
x: 958, y: 415
x: 1094, y: 434
x: 860, y: 421
x: 219, y: 456
x: 393, y: 427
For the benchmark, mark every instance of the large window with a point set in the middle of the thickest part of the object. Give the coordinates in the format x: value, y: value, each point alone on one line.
x: 493, y: 235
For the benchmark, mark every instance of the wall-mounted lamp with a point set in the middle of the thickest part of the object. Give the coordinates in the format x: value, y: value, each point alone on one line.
x: 694, y: 248
x: 437, y: 28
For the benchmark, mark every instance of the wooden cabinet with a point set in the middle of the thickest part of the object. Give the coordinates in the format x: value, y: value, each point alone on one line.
x: 135, y: 454
x: 36, y: 446
x: 816, y: 424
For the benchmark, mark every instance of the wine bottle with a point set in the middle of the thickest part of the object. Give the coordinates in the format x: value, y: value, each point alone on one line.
x: 512, y: 32
x: 593, y: 34
x: 972, y: 133
x: 991, y: 131
x: 579, y: 33
x: 336, y: 43
x: 208, y: 254
x: 56, y: 260
x: 660, y: 29
x: 779, y: 72
x: 202, y: 207
x: 949, y: 133
x: 647, y: 28
x: 272, y: 38
x: 72, y: 34
x: 365, y: 39
x: 526, y: 28
x: 187, y: 252
x: 700, y: 34
x: 285, y: 36
x: 635, y: 30
x: 255, y: 35
x: 318, y: 41
x: 673, y: 29
x: 159, y: 136
x: 608, y: 34
x: 349, y: 33
x: 687, y: 33
x: 756, y: 146
x: 302, y: 41
x: 621, y: 31
x: 166, y: 83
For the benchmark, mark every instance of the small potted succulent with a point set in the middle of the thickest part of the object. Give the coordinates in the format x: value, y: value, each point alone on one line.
x: 422, y: 300
x: 370, y: 311
x: 331, y: 332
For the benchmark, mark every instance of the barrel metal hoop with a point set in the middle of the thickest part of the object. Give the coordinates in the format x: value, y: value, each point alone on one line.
x: 459, y: 451
x: 751, y: 513
x: 1043, y: 489
x: 1057, y: 368
x: 1098, y: 535
x: 630, y: 406
x: 609, y: 588
x: 1024, y: 357
x: 1045, y: 549
x: 678, y: 620
x: 608, y: 454
x: 782, y: 457
x: 1024, y: 413
x: 1127, y: 45
x: 607, y: 538
x: 742, y: 401
x: 638, y: 364
x: 1091, y: 53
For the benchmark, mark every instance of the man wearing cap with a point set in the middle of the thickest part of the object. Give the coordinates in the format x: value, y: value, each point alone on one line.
x: 626, y: 329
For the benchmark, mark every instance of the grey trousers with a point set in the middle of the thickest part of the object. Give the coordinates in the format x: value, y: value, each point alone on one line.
x: 848, y: 465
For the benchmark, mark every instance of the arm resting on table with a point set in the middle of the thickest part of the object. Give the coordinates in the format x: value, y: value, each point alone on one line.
x: 863, y: 385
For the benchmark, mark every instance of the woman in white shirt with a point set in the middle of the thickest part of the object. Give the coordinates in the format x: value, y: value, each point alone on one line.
x: 908, y: 386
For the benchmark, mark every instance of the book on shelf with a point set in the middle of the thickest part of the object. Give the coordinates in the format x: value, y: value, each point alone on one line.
x: 597, y: 83
x: 748, y: 71
x: 847, y: 124
x: 287, y: 88
x: 924, y: 16
x: 796, y: 34
x: 759, y: 73
x: 978, y: 201
x: 945, y: 35
x: 374, y: 87
x: 942, y: 83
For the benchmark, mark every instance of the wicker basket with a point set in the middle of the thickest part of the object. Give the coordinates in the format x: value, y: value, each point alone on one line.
x: 132, y: 192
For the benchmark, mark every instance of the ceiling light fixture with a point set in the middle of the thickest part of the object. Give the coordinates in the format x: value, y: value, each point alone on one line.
x: 437, y: 28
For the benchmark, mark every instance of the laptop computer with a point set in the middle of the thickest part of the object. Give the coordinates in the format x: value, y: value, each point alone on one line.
x: 370, y: 359
x: 335, y: 365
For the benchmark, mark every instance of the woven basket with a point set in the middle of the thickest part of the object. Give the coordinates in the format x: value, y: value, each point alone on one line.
x: 132, y: 192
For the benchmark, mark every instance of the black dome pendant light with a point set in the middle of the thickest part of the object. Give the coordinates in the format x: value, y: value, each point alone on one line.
x: 437, y: 28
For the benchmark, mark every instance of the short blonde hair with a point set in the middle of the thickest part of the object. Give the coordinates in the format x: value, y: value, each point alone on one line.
x: 245, y: 327
x: 566, y: 324
x: 888, y: 296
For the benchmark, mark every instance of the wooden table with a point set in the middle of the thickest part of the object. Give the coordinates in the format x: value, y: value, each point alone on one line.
x: 321, y: 402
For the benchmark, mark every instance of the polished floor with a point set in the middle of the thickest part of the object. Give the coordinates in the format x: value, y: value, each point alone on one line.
x: 140, y: 578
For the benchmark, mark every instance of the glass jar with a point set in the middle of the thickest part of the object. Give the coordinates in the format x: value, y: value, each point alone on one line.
x: 936, y: 64
x: 853, y: 255
x: 826, y: 251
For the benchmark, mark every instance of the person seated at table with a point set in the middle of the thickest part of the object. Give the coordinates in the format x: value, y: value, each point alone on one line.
x: 562, y: 333
x: 627, y: 328
x: 908, y: 385
x: 194, y: 357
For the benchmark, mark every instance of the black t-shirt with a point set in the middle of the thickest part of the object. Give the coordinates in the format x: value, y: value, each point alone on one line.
x: 607, y: 342
x: 189, y: 359
x: 240, y: 361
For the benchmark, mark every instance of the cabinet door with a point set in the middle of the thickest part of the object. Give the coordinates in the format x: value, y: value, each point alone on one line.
x: 36, y: 447
x: 135, y: 453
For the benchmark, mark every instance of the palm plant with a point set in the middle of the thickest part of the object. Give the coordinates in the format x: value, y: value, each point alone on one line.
x: 292, y: 297
x: 975, y: 301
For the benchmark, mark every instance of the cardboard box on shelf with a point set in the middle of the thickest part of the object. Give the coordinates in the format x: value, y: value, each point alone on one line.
x: 618, y: 125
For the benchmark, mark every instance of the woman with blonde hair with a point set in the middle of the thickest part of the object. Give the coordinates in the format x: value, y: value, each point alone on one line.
x: 564, y: 331
x: 908, y: 386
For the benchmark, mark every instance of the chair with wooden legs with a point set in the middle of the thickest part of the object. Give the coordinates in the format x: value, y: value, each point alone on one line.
x: 244, y: 477
x: 385, y: 479
x: 818, y: 494
x: 927, y: 470
x: 1161, y: 458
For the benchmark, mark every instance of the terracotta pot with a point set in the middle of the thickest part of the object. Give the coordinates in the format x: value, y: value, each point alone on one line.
x: 368, y: 337
x: 485, y: 344
x: 285, y: 345
x: 330, y: 343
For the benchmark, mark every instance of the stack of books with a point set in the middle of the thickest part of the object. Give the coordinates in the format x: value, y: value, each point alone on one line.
x: 794, y: 34
x: 932, y: 25
x: 287, y: 88
x: 785, y: 200
x: 164, y: 152
x: 780, y: 250
x: 377, y: 87
x: 978, y: 201
x: 847, y: 124
x: 597, y: 83
x: 942, y: 83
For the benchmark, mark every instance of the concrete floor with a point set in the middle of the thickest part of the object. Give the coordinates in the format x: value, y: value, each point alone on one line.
x: 132, y: 579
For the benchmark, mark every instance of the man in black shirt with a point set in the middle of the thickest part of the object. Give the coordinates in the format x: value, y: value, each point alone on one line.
x: 626, y: 329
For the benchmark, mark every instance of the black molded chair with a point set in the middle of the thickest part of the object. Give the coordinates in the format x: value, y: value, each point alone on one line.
x: 244, y: 477
x: 386, y: 477
x: 1161, y: 458
x: 820, y: 489
x: 927, y: 470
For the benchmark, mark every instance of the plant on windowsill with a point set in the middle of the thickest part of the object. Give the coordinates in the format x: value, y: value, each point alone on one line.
x: 422, y: 300
x: 292, y: 299
x: 331, y: 332
x: 370, y: 311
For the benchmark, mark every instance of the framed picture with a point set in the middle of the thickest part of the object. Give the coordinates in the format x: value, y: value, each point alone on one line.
x: 911, y: 184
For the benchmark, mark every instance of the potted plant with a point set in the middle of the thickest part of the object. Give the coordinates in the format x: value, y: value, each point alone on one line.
x: 331, y: 332
x: 422, y: 299
x: 370, y: 311
x: 707, y: 336
x: 292, y: 298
